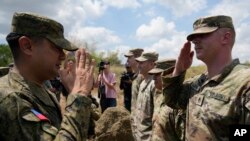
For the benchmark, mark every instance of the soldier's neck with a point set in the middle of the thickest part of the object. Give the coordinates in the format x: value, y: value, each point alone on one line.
x: 27, y: 75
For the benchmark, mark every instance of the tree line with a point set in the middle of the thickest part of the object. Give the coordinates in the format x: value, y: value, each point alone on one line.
x: 6, y: 56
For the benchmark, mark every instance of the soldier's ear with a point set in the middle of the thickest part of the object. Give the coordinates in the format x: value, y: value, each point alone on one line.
x: 25, y: 45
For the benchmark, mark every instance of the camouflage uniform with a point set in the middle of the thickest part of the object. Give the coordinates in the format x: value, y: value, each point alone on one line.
x: 212, y: 104
x: 144, y: 106
x: 18, y: 121
x: 168, y: 124
x: 135, y: 89
x: 29, y: 111
x: 144, y: 110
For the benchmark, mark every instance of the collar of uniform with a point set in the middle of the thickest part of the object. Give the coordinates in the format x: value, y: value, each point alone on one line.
x: 30, y: 88
x: 220, y: 77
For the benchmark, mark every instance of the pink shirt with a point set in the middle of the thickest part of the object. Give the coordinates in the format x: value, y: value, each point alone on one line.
x: 110, y: 78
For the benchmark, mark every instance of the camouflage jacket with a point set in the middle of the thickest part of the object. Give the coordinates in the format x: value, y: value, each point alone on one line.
x: 144, y: 110
x: 212, y: 104
x: 30, y: 112
x: 168, y: 123
x: 135, y: 88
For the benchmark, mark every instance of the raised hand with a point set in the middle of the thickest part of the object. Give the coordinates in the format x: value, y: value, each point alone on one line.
x: 67, y: 74
x: 184, y: 60
x: 81, y: 80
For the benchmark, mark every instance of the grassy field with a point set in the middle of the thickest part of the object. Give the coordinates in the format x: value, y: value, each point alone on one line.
x: 119, y: 69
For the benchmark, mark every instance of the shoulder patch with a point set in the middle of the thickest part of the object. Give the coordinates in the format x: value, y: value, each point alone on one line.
x: 39, y: 115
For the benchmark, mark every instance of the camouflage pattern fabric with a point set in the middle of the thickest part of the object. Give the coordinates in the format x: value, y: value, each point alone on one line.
x: 19, y: 99
x: 168, y: 124
x: 94, y: 116
x: 212, y: 104
x: 158, y: 101
x: 40, y: 26
x: 135, y: 88
x: 144, y: 111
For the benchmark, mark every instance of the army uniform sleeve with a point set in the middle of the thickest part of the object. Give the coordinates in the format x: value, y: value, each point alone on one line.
x: 19, y: 122
x: 245, y: 118
x: 176, y: 92
x: 75, y: 119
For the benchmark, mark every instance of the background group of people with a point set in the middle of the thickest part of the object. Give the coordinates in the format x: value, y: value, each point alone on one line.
x: 163, y: 105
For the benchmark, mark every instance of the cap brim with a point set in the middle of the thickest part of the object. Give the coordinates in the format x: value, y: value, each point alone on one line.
x: 63, y: 43
x: 155, y: 71
x: 202, y: 30
x: 128, y: 55
x: 140, y: 59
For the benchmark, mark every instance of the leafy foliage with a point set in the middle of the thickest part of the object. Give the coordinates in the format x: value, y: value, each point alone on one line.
x: 5, y: 55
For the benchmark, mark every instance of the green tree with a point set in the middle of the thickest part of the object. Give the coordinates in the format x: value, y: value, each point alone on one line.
x: 5, y: 55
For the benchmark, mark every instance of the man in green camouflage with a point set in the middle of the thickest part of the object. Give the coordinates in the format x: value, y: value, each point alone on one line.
x: 168, y: 123
x: 28, y: 110
x: 218, y: 98
x: 143, y: 110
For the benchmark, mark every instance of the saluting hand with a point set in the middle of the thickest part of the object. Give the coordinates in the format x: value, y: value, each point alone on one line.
x: 184, y: 60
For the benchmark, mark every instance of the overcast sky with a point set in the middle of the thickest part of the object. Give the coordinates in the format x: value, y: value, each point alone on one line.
x: 120, y: 25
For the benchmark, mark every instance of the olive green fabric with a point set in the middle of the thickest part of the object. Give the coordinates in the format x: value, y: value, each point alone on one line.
x: 134, y: 52
x: 31, y: 24
x: 210, y: 24
x: 162, y: 65
x: 19, y: 97
x: 213, y: 103
x: 148, y: 56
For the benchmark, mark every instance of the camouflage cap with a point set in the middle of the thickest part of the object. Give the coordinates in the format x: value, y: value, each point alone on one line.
x: 134, y: 52
x: 210, y: 24
x: 152, y: 56
x: 162, y: 65
x: 31, y: 24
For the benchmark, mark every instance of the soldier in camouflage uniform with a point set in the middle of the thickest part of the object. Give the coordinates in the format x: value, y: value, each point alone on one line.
x: 28, y: 110
x: 136, y: 80
x: 221, y: 96
x: 143, y: 111
x: 168, y: 123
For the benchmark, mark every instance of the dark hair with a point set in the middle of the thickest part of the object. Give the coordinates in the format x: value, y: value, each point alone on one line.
x: 12, y: 39
x: 101, y: 66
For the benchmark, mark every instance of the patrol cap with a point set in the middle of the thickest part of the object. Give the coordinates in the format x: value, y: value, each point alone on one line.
x: 151, y: 56
x: 134, y: 52
x: 210, y: 24
x: 31, y: 24
x: 162, y: 65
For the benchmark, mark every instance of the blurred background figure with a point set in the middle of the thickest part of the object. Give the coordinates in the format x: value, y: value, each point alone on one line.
x: 126, y: 85
x: 106, y: 86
